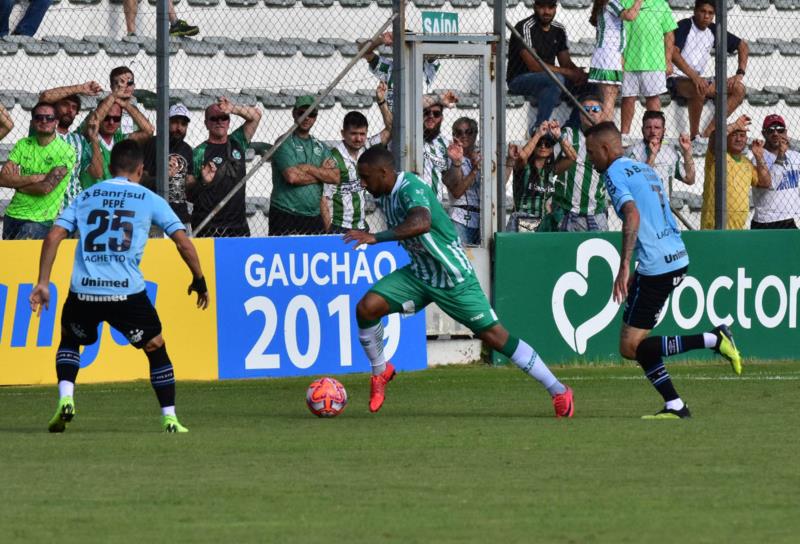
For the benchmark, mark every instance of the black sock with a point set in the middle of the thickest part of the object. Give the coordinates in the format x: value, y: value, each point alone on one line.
x: 666, y: 346
x: 68, y: 361
x: 162, y: 378
x: 650, y: 360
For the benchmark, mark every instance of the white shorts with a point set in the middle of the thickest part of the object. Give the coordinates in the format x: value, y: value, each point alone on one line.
x: 644, y: 83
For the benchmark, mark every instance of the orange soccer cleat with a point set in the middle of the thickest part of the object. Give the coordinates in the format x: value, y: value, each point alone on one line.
x: 563, y: 404
x: 377, y: 387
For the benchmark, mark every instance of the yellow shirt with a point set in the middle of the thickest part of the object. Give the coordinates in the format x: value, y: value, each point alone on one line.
x: 741, y: 176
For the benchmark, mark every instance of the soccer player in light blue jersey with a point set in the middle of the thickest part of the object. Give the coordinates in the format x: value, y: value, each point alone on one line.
x: 649, y: 228
x: 113, y: 220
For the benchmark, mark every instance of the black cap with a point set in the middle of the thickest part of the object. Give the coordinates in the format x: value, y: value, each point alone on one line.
x: 546, y: 2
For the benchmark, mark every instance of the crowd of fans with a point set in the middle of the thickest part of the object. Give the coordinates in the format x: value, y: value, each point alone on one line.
x: 640, y: 50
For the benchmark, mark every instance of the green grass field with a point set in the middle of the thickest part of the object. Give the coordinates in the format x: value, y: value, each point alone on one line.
x: 467, y: 454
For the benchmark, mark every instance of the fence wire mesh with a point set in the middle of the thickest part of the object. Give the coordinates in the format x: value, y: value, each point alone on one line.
x: 264, y: 56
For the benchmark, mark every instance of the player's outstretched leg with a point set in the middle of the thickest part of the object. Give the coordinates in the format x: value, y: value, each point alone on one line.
x: 369, y: 311
x: 68, y: 362
x: 726, y: 347
x: 162, y: 378
x: 524, y: 356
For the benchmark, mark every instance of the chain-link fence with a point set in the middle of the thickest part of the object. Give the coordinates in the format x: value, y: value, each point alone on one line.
x: 266, y: 56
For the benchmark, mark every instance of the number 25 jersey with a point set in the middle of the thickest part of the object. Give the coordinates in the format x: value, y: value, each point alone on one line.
x: 113, y: 221
x: 659, y: 247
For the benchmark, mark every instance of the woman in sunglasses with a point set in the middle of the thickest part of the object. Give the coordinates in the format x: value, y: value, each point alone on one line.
x: 533, y: 182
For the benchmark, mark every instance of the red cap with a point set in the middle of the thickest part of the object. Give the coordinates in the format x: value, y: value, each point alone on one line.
x: 771, y: 120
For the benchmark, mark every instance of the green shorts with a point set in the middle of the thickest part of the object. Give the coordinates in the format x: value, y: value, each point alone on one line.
x: 606, y: 77
x: 465, y: 302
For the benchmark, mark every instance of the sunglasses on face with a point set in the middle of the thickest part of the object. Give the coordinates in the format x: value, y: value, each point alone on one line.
x: 129, y: 83
x: 465, y: 132
x: 773, y: 130
x: 544, y: 143
x: 220, y: 118
x: 432, y: 113
x: 593, y: 109
x: 44, y: 118
x: 112, y: 119
x: 313, y: 113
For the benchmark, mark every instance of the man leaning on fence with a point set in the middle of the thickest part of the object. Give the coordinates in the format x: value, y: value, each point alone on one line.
x: 741, y: 176
x: 38, y: 169
x: 219, y: 163
x: 299, y: 168
x: 777, y: 206
x: 345, y: 203
x: 527, y: 77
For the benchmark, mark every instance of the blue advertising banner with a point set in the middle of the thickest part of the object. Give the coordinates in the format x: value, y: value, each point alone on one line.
x: 286, y: 307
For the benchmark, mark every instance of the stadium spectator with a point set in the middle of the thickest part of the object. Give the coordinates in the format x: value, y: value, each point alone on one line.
x: 345, y: 203
x: 648, y: 59
x: 381, y: 66
x: 605, y: 68
x: 300, y: 166
x: 465, y: 184
x: 177, y: 27
x: 651, y: 237
x: 107, y: 284
x: 38, y: 169
x: 440, y: 162
x: 6, y: 122
x: 29, y: 23
x: 695, y: 38
x: 579, y: 203
x: 439, y: 272
x: 533, y: 181
x: 88, y: 156
x: 180, y: 164
x: 110, y: 112
x: 776, y: 206
x: 741, y: 176
x: 220, y: 163
x: 527, y: 77
x: 669, y: 162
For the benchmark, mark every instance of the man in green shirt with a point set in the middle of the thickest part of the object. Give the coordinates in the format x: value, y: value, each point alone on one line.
x: 38, y: 169
x: 439, y: 272
x: 299, y: 168
x: 648, y: 58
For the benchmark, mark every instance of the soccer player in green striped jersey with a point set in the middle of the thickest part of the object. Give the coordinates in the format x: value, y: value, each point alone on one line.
x: 345, y: 203
x: 439, y: 272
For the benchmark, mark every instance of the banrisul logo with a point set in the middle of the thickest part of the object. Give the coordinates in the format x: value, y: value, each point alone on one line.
x: 577, y: 281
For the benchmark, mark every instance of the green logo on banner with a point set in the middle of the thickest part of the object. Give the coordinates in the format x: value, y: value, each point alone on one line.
x: 439, y: 22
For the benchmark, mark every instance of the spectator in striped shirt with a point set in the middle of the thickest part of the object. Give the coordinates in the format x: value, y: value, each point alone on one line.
x: 345, y: 203
x: 579, y: 203
x: 88, y: 157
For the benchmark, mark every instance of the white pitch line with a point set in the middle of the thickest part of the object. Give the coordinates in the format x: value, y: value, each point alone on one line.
x: 689, y: 378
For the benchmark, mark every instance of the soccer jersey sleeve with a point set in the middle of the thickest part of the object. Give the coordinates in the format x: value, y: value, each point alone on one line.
x: 615, y: 7
x: 163, y: 216
x: 284, y: 157
x: 683, y: 28
x: 414, y: 196
x: 733, y: 42
x: 617, y: 187
x: 69, y: 217
x: 239, y: 137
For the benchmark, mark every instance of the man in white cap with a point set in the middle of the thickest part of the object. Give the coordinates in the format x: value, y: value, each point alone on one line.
x: 180, y: 169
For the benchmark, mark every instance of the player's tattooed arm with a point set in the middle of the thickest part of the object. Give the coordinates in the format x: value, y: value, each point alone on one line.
x: 418, y: 221
x: 630, y: 230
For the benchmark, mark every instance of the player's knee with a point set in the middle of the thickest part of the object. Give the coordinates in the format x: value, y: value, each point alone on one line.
x: 153, y: 344
x: 627, y: 349
x: 367, y: 309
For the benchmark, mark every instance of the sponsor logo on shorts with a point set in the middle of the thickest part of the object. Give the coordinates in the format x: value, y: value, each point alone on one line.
x: 135, y: 336
x: 77, y: 330
x: 102, y: 298
x: 476, y: 317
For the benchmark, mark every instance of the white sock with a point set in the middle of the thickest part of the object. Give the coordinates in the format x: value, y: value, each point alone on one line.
x: 710, y: 339
x: 66, y: 389
x: 167, y: 410
x: 676, y: 404
x: 371, y: 339
x: 530, y: 363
